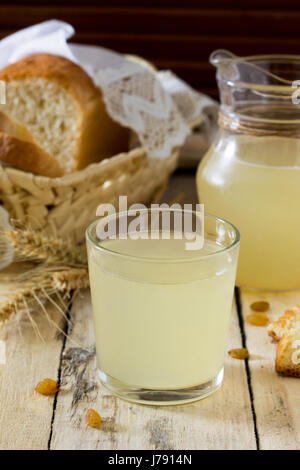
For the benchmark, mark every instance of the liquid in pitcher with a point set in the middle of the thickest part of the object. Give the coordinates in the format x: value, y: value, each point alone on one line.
x: 255, y: 183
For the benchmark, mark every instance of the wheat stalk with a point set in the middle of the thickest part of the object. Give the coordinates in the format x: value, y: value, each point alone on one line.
x: 71, y: 279
x: 21, y: 300
x: 38, y: 285
x: 33, y: 245
x: 62, y: 268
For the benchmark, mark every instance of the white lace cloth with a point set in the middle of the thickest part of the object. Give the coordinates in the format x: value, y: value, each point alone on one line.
x: 156, y: 106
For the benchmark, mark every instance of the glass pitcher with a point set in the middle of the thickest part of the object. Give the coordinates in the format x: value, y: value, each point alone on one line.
x: 251, y: 174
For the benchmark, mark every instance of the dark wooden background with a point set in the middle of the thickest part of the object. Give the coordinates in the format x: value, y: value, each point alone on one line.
x: 173, y: 34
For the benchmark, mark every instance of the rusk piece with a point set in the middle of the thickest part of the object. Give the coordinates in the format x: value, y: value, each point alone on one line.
x: 288, y: 354
x: 289, y: 320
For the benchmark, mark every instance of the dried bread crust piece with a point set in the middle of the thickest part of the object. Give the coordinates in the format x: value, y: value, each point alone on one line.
x: 28, y: 156
x: 288, y: 354
x: 290, y: 319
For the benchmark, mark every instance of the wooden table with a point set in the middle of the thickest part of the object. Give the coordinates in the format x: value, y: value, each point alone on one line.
x: 254, y: 409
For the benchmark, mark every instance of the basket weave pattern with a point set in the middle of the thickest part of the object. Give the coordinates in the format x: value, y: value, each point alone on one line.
x: 66, y: 206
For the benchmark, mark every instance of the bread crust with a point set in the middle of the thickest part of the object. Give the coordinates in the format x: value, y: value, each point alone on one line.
x: 51, y: 67
x: 14, y: 129
x: 28, y: 156
x: 278, y: 328
x: 99, y: 136
x: 284, y: 364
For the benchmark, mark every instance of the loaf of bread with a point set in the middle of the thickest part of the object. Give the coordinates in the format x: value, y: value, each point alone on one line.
x: 60, y: 114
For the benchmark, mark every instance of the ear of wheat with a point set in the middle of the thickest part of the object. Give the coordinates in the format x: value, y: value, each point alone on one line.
x: 36, y: 286
x: 57, y: 266
x: 34, y: 245
x: 71, y: 279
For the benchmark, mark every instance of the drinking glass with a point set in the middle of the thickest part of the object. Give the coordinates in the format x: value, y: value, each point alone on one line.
x: 161, y: 311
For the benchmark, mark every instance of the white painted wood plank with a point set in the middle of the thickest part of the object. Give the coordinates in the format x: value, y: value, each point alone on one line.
x: 276, y: 399
x: 25, y: 417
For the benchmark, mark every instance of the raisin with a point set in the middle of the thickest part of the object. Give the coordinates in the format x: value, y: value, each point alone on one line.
x: 240, y: 353
x: 47, y: 387
x: 92, y: 418
x: 260, y: 306
x: 257, y: 319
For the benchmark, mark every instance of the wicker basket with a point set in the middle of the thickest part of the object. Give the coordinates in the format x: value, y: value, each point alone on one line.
x: 65, y: 206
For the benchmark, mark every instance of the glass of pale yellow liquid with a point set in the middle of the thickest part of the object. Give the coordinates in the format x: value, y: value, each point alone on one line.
x: 161, y: 311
